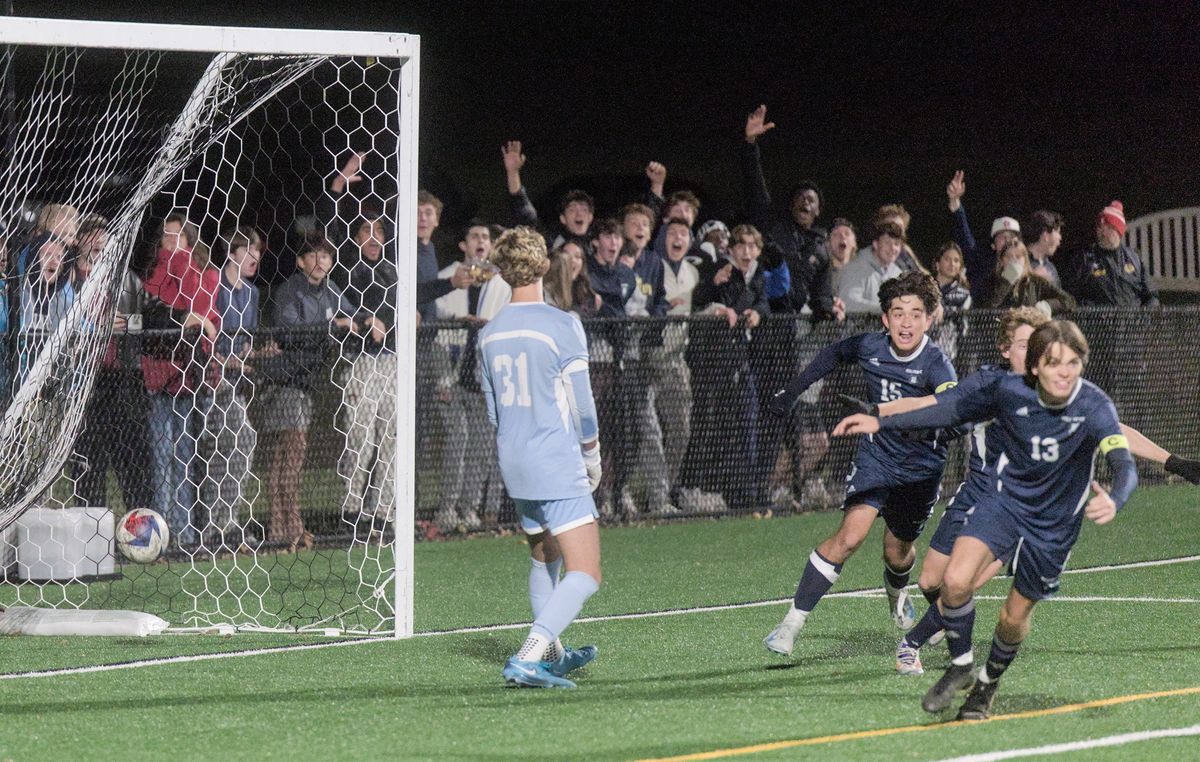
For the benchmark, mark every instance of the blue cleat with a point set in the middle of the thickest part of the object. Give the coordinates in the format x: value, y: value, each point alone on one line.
x: 572, y: 659
x: 533, y: 674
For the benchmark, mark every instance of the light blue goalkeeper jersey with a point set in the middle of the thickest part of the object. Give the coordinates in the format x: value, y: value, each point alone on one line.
x: 534, y: 364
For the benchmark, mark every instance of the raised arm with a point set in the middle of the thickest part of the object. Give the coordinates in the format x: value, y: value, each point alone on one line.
x: 758, y: 198
x: 521, y: 209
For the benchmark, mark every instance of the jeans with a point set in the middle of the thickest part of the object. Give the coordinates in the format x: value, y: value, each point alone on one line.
x: 173, y: 447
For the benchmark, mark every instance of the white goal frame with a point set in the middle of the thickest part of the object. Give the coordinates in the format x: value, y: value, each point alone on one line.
x: 404, y: 48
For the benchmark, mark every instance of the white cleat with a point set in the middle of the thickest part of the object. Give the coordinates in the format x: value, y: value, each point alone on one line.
x: 908, y: 659
x: 904, y: 613
x: 783, y: 638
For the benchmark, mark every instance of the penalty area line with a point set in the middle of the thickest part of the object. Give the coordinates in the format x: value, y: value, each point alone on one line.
x: 883, y: 732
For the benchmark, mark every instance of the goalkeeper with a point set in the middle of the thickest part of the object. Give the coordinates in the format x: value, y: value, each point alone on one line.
x: 533, y: 360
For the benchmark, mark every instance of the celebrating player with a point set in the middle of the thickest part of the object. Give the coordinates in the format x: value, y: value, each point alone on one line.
x: 534, y: 363
x: 1016, y: 326
x: 1049, y: 424
x: 891, y: 476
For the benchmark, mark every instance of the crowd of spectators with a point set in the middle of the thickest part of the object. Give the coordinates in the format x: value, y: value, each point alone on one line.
x: 679, y: 400
x: 693, y: 322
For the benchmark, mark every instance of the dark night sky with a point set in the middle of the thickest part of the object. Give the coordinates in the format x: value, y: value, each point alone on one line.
x: 1044, y: 105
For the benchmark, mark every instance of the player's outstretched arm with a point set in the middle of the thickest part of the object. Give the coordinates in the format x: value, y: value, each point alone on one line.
x: 1143, y: 447
x: 859, y: 423
x: 906, y: 405
x: 826, y: 362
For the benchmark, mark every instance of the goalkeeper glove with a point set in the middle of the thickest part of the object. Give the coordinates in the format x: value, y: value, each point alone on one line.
x: 1188, y: 469
x: 855, y: 405
x: 591, y: 462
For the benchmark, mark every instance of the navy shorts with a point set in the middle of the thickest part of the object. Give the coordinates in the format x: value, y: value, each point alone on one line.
x: 950, y: 526
x: 905, y: 506
x: 1035, y: 566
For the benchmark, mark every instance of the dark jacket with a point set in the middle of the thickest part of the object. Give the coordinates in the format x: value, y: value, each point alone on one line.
x: 979, y: 258
x: 373, y: 294
x: 1112, y: 278
x: 713, y: 343
x: 806, y: 251
x: 1030, y: 289
x: 614, y: 284
x: 302, y: 316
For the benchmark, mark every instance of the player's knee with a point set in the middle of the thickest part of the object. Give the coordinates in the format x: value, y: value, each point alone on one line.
x: 929, y: 580
x: 957, y: 585
x: 847, y: 541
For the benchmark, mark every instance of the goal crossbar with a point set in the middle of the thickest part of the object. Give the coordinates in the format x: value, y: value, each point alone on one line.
x: 23, y: 30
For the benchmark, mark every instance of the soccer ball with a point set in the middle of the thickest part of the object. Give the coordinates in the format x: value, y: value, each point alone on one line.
x: 142, y: 535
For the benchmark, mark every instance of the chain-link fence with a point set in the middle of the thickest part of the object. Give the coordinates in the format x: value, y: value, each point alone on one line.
x: 683, y: 427
x: 283, y: 437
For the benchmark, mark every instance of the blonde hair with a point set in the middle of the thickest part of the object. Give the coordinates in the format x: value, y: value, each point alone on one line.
x: 520, y: 255
x: 61, y: 220
x: 558, y: 280
x: 1013, y: 319
x: 735, y: 235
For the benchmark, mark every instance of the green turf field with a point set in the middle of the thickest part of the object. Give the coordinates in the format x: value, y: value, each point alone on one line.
x: 687, y: 683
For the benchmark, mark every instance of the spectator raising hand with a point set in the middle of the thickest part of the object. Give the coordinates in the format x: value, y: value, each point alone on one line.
x: 955, y: 190
x: 514, y: 160
x: 349, y: 173
x: 757, y: 124
x: 657, y: 175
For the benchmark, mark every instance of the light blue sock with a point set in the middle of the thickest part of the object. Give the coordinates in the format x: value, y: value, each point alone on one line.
x: 564, y: 605
x: 543, y: 577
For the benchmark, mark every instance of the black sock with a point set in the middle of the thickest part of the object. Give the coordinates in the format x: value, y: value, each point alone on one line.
x: 999, y: 659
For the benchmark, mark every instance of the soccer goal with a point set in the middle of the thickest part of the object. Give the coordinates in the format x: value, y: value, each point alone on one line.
x: 145, y: 167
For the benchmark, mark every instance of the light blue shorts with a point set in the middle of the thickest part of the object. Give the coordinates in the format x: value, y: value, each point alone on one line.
x: 558, y: 516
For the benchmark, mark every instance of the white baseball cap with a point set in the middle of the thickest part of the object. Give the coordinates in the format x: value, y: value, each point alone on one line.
x: 1000, y: 224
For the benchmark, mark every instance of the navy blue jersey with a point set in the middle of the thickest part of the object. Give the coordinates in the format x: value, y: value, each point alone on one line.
x: 1047, y: 455
x: 889, y: 377
x: 983, y: 447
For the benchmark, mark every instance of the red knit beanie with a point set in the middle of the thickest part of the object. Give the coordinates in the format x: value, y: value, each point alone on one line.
x: 1113, y: 214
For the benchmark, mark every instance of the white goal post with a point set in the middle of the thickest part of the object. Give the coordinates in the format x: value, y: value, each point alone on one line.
x: 251, y: 68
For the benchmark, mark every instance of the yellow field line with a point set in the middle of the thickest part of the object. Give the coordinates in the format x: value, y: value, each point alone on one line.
x: 880, y: 732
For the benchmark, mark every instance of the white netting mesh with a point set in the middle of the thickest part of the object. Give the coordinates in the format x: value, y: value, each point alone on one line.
x: 257, y: 415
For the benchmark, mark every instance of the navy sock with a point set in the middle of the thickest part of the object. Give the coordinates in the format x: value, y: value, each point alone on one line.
x: 895, y: 579
x: 819, y: 575
x: 926, y: 627
x: 932, y: 595
x: 959, y: 621
x: 1001, y: 656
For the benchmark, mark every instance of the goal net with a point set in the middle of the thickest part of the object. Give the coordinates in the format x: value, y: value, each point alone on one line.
x: 207, y: 316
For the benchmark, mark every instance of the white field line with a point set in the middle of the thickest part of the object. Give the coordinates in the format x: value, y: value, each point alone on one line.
x: 867, y: 593
x: 1094, y: 743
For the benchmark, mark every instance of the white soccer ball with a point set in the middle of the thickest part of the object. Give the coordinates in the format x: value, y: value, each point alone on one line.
x: 142, y: 535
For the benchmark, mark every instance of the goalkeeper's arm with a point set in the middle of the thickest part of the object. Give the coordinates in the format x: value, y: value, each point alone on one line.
x: 578, y: 387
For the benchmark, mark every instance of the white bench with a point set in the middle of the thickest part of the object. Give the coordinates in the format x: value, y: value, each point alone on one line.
x: 1169, y: 244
